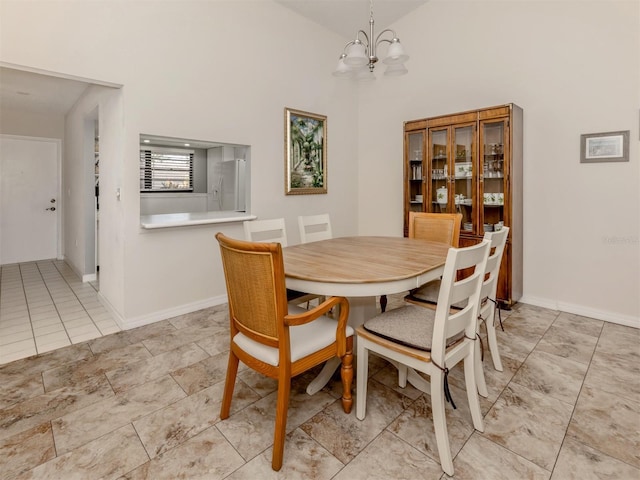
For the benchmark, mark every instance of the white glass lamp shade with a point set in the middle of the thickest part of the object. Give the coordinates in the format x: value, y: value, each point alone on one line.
x: 363, y: 74
x: 356, y: 55
x: 395, y: 70
x: 342, y: 70
x: 395, y: 54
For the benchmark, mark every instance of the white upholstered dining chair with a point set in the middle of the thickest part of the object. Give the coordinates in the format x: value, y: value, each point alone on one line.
x: 432, y: 341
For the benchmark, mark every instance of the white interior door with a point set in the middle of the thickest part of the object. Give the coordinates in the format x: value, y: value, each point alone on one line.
x: 29, y: 183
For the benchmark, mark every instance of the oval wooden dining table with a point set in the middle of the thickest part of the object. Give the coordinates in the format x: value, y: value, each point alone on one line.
x: 361, y: 268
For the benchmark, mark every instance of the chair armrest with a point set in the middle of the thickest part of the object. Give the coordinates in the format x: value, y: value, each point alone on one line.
x: 324, y: 307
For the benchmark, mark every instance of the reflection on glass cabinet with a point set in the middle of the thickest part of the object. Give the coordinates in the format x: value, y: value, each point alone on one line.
x: 414, y: 152
x: 492, y: 134
x: 464, y: 140
x: 471, y: 163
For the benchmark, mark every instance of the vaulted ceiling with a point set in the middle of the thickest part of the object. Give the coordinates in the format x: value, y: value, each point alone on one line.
x: 42, y: 93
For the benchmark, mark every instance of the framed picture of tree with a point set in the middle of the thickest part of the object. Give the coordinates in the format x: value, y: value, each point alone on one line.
x: 305, y: 145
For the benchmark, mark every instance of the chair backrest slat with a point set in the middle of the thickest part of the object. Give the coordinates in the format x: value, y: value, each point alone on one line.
x: 314, y: 228
x: 270, y: 231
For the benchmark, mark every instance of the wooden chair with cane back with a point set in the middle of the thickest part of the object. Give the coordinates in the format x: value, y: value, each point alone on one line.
x: 274, y: 337
x: 436, y: 227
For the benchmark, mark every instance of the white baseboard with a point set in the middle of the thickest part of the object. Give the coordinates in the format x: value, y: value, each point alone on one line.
x: 129, y: 323
x: 91, y: 277
x: 626, y: 320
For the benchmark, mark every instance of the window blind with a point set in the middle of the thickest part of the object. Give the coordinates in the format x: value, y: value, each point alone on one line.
x: 166, y: 169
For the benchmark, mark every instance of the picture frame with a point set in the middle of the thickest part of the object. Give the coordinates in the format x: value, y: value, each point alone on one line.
x: 305, y: 146
x: 604, y: 147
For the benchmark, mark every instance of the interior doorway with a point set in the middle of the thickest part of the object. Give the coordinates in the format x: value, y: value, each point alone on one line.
x: 29, y: 193
x: 92, y: 195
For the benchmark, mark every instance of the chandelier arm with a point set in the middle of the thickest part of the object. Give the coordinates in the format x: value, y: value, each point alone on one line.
x: 366, y: 37
x: 379, y: 40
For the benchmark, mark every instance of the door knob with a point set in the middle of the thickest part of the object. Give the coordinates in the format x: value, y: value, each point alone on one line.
x: 53, y: 209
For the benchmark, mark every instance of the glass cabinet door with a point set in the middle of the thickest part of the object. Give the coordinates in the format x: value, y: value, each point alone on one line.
x: 438, y: 161
x: 415, y: 161
x: 463, y: 174
x: 492, y: 155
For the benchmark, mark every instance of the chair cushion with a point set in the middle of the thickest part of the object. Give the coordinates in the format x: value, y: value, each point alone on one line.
x: 305, y: 339
x: 410, y: 325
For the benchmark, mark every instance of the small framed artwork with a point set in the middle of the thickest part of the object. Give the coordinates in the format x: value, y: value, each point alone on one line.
x: 604, y: 147
x: 305, y: 146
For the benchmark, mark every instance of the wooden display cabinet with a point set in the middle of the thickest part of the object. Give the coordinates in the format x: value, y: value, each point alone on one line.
x: 471, y: 163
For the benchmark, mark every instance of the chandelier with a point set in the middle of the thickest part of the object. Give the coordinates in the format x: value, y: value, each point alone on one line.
x: 361, y: 53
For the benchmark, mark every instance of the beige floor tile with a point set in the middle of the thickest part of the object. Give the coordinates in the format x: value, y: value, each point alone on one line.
x: 92, y: 366
x: 52, y: 405
x: 551, y: 375
x: 176, y: 415
x: 26, y: 450
x: 110, y: 456
x: 46, y: 329
x: 529, y: 423
x: 615, y: 373
x: 580, y: 462
x: 48, y: 361
x: 578, y: 323
x: 482, y: 459
x: 18, y: 388
x: 207, y: 456
x: 87, y: 424
x: 15, y: 336
x: 52, y: 338
x: 17, y: 350
x: 567, y: 343
x: 206, y: 372
x: 250, y: 430
x: 386, y: 458
x: 160, y: 344
x: 158, y: 329
x: 55, y: 345
x: 304, y: 459
x: 610, y: 423
x: 169, y: 427
x: 134, y: 374
x: 415, y: 424
x: 343, y: 435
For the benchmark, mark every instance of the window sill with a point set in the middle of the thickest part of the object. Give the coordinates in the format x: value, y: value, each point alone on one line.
x: 166, y: 220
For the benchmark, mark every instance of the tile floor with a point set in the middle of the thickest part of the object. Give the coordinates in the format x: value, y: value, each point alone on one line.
x: 44, y: 306
x: 144, y: 403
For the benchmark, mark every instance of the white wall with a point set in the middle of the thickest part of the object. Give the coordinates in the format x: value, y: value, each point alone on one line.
x: 574, y: 67
x: 235, y: 95
x: 154, y: 203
